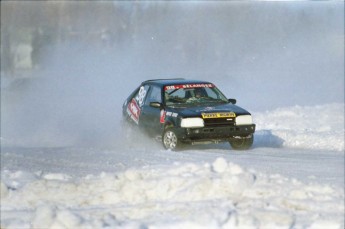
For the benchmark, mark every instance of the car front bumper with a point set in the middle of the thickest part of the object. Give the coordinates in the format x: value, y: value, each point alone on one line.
x: 214, y: 134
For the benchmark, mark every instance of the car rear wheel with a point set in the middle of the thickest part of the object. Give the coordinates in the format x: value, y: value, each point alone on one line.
x: 170, y: 140
x: 241, y: 143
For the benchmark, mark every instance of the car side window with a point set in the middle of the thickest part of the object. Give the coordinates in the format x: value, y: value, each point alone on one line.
x: 155, y: 95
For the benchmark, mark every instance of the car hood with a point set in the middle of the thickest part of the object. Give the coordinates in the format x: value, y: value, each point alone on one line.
x: 197, y: 110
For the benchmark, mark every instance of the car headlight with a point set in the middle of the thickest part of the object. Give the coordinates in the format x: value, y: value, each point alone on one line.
x: 192, y: 122
x: 244, y: 120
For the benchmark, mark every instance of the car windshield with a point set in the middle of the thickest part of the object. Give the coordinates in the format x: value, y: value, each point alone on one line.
x: 189, y: 95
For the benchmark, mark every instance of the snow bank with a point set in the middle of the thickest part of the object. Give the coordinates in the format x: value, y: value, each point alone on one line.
x: 317, y: 127
x: 212, y: 195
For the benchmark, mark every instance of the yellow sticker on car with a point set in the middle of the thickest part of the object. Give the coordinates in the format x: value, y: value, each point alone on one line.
x: 219, y: 115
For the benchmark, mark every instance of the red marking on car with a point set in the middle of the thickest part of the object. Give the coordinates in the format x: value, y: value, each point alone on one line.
x: 162, y: 119
x: 134, y: 110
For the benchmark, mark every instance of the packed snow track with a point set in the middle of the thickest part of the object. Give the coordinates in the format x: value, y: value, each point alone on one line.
x: 293, y: 177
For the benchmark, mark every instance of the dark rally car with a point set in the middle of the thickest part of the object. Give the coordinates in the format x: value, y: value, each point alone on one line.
x: 188, y: 111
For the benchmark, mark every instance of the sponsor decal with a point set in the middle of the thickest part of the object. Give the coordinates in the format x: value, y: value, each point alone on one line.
x: 173, y: 87
x: 172, y: 114
x: 134, y: 111
x: 219, y: 115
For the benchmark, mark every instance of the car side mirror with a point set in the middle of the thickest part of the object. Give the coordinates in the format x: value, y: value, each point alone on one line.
x: 233, y: 101
x: 156, y: 105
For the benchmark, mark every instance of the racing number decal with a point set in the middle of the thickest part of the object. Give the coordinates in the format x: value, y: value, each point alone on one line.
x: 141, y: 95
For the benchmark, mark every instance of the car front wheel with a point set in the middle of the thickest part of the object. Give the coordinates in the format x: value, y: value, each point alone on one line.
x: 242, y: 143
x: 170, y: 140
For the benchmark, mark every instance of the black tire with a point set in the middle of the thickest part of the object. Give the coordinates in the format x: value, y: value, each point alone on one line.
x: 242, y: 143
x: 170, y: 140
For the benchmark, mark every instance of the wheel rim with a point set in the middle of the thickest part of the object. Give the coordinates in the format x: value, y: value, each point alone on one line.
x: 170, y: 140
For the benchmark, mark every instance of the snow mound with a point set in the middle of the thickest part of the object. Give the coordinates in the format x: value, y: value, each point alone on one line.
x: 211, y: 195
x: 317, y: 127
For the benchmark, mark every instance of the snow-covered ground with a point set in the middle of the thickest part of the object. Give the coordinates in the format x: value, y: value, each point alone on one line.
x: 292, y: 178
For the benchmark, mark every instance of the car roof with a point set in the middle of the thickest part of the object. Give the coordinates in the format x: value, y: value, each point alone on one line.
x: 164, y: 82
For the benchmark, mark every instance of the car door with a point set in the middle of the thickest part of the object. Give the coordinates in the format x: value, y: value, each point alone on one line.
x: 151, y: 116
